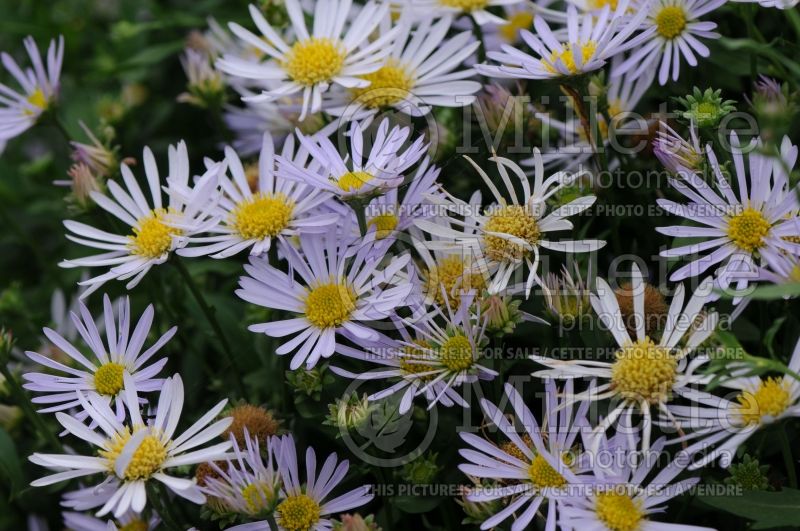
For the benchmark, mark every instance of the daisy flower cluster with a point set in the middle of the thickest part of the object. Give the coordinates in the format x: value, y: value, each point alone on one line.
x: 356, y: 215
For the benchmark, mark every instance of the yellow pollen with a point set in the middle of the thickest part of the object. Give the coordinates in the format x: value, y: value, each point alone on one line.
x: 298, y: 513
x: 517, y: 21
x: 108, y: 379
x: 513, y: 450
x: 37, y: 99
x: 264, y: 215
x: 152, y: 238
x: 644, y: 371
x: 600, y: 4
x: 384, y: 224
x: 614, y: 108
x: 618, y: 511
x: 257, y: 497
x: 314, y: 61
x: 670, y: 21
x: 456, y: 353
x: 452, y: 273
x: 587, y: 51
x: 352, y: 181
x: 330, y: 304
x: 543, y: 475
x: 147, y: 458
x: 135, y: 525
x: 770, y: 399
x: 465, y: 5
x: 748, y: 229
x: 516, y: 221
x: 389, y: 85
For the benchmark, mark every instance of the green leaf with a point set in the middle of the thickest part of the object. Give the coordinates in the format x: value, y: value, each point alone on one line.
x: 766, y: 509
x: 769, y: 336
x: 10, y: 469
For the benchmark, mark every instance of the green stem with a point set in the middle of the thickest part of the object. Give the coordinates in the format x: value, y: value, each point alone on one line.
x: 271, y: 522
x: 59, y: 125
x: 208, y: 312
x: 590, y: 126
x: 155, y: 496
x: 794, y: 20
x: 21, y: 399
x: 786, y: 449
x: 477, y: 31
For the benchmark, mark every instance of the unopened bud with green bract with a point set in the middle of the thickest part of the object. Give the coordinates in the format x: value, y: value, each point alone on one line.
x: 308, y: 381
x: 705, y: 109
x: 502, y: 314
x: 422, y: 470
x: 6, y: 344
x: 355, y: 522
x: 275, y: 12
x: 206, y: 86
x: 567, y: 297
x: 349, y: 413
x: 774, y: 106
x: 748, y: 474
x: 477, y: 512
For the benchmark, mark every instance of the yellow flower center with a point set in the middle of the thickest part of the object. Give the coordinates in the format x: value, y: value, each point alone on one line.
x: 770, y: 399
x: 384, y: 224
x: 329, y: 305
x: 618, y: 511
x: 600, y: 4
x: 452, y: 272
x: 257, y: 497
x: 353, y: 180
x: 748, y: 229
x: 314, y: 60
x: 465, y: 5
x: 37, y: 99
x: 517, y: 21
x: 513, y: 450
x: 152, y: 237
x: 147, y: 458
x: 298, y: 513
x: 264, y: 215
x: 543, y: 475
x: 108, y: 379
x: 516, y: 221
x: 644, y: 371
x: 568, y: 58
x: 135, y: 525
x: 389, y: 85
x: 456, y: 353
x: 409, y: 361
x: 670, y: 21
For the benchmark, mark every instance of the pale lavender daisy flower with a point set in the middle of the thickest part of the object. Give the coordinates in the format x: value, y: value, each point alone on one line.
x: 365, y: 169
x: 132, y: 455
x: 252, y: 219
x: 119, y: 355
x: 156, y: 230
x: 742, y: 230
x: 674, y: 152
x: 477, y: 9
x: 305, y: 505
x: 128, y: 521
x: 20, y: 110
x: 434, y: 357
x: 536, y: 466
x: 332, y: 288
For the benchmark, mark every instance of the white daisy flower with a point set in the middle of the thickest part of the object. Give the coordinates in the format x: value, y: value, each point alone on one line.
x: 155, y: 230
x: 248, y: 482
x: 591, y: 40
x: 745, y: 229
x: 440, y: 353
x: 722, y: 425
x: 313, y: 61
x: 129, y: 521
x: 132, y: 455
x: 644, y: 373
x: 516, y: 18
x: 477, y: 9
x: 625, y: 500
x: 420, y: 72
x: 511, y: 231
x: 780, y: 269
x: 670, y: 33
x: 119, y: 355
x: 331, y: 288
x: 350, y: 175
x: 304, y: 505
x: 277, y: 209
x: 39, y: 86
x: 535, y: 467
